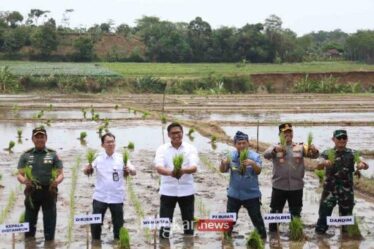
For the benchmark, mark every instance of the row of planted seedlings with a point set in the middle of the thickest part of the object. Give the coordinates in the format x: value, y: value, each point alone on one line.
x: 73, y: 186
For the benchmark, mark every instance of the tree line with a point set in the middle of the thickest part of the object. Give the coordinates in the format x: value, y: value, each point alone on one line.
x: 195, y: 41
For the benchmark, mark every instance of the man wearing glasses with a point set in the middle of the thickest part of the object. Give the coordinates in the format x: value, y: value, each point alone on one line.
x: 338, y: 163
x: 109, y: 187
x: 176, y: 186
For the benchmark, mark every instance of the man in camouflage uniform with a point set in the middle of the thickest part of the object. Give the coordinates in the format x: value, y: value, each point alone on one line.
x: 288, y: 173
x: 41, y: 188
x: 338, y: 185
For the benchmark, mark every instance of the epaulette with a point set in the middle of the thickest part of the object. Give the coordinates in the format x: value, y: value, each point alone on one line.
x: 29, y: 150
x: 50, y: 150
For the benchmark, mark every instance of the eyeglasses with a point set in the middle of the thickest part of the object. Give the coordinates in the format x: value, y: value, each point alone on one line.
x: 175, y: 132
x: 342, y: 138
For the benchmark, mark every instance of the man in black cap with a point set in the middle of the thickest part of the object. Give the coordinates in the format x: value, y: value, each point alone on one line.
x: 41, y: 170
x: 338, y: 163
x: 288, y: 173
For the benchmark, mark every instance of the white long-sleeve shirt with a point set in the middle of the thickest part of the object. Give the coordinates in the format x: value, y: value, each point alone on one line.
x: 171, y: 186
x: 106, y: 189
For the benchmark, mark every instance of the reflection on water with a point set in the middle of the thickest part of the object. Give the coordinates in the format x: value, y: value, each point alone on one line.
x: 281, y: 117
x: 64, y: 136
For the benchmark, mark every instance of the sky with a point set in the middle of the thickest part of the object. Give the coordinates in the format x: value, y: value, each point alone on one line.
x: 301, y: 16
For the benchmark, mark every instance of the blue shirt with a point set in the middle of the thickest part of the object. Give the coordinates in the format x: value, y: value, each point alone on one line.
x: 243, y: 187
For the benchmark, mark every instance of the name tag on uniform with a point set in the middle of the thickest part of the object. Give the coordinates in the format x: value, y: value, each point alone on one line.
x: 115, y: 176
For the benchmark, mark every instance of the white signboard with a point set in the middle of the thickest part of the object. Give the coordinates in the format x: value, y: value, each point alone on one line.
x: 152, y: 223
x: 223, y: 216
x: 15, y: 228
x: 277, y: 218
x: 87, y: 219
x: 340, y: 220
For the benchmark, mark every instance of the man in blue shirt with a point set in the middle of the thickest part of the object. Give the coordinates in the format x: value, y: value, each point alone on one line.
x: 243, y: 188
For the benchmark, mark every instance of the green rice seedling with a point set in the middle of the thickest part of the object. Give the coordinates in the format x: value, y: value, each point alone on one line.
x: 163, y: 119
x: 48, y: 122
x: 116, y: 107
x: 106, y: 123
x: 177, y: 162
x: 254, y: 241
x: 296, y: 229
x: 282, y: 141
x: 84, y: 112
x: 40, y: 114
x: 357, y: 160
x: 331, y: 155
x: 213, y: 139
x: 310, y: 139
x: 91, y: 155
x: 83, y: 135
x: 191, y: 131
x: 54, y: 173
x: 131, y: 146
x: 22, y: 218
x: 320, y: 173
x: 126, y: 156
x: 10, y: 146
x: 9, y: 206
x: 50, y: 107
x: 242, y: 157
x: 100, y: 129
x: 124, y: 238
x: 74, y: 178
x: 354, y: 230
x: 357, y: 157
x: 15, y: 109
x: 19, y: 133
x: 96, y: 117
x: 145, y: 115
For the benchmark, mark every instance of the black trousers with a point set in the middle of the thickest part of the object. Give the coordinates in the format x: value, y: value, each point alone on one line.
x: 116, y: 211
x: 278, y: 200
x: 47, y: 201
x: 253, y: 207
x: 186, y: 205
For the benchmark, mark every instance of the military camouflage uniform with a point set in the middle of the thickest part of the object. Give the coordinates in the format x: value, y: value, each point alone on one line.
x: 40, y: 195
x: 337, y: 188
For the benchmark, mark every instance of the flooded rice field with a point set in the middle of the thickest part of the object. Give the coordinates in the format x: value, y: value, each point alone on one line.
x: 147, y: 133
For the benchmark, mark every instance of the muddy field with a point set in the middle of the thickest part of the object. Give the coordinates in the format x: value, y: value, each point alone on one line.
x: 136, y: 118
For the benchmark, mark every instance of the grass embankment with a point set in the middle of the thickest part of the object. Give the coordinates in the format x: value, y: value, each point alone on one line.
x: 201, y: 70
x: 200, y: 78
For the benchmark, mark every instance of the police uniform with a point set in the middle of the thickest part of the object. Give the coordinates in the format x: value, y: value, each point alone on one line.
x: 337, y: 188
x: 288, y: 176
x: 42, y: 162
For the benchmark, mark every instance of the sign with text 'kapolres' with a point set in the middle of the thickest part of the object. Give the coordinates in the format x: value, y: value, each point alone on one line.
x: 340, y: 220
x: 87, y: 219
x: 223, y: 216
x: 277, y: 218
x: 153, y: 223
x: 14, y: 228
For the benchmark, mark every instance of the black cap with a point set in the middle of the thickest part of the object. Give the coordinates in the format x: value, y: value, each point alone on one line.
x: 39, y: 130
x: 340, y: 133
x: 285, y: 127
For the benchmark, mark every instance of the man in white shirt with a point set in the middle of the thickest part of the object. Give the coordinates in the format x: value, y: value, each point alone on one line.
x: 176, y: 186
x: 109, y: 186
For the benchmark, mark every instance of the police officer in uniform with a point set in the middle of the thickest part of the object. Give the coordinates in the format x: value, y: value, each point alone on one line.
x: 338, y: 185
x: 41, y: 188
x: 288, y: 173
